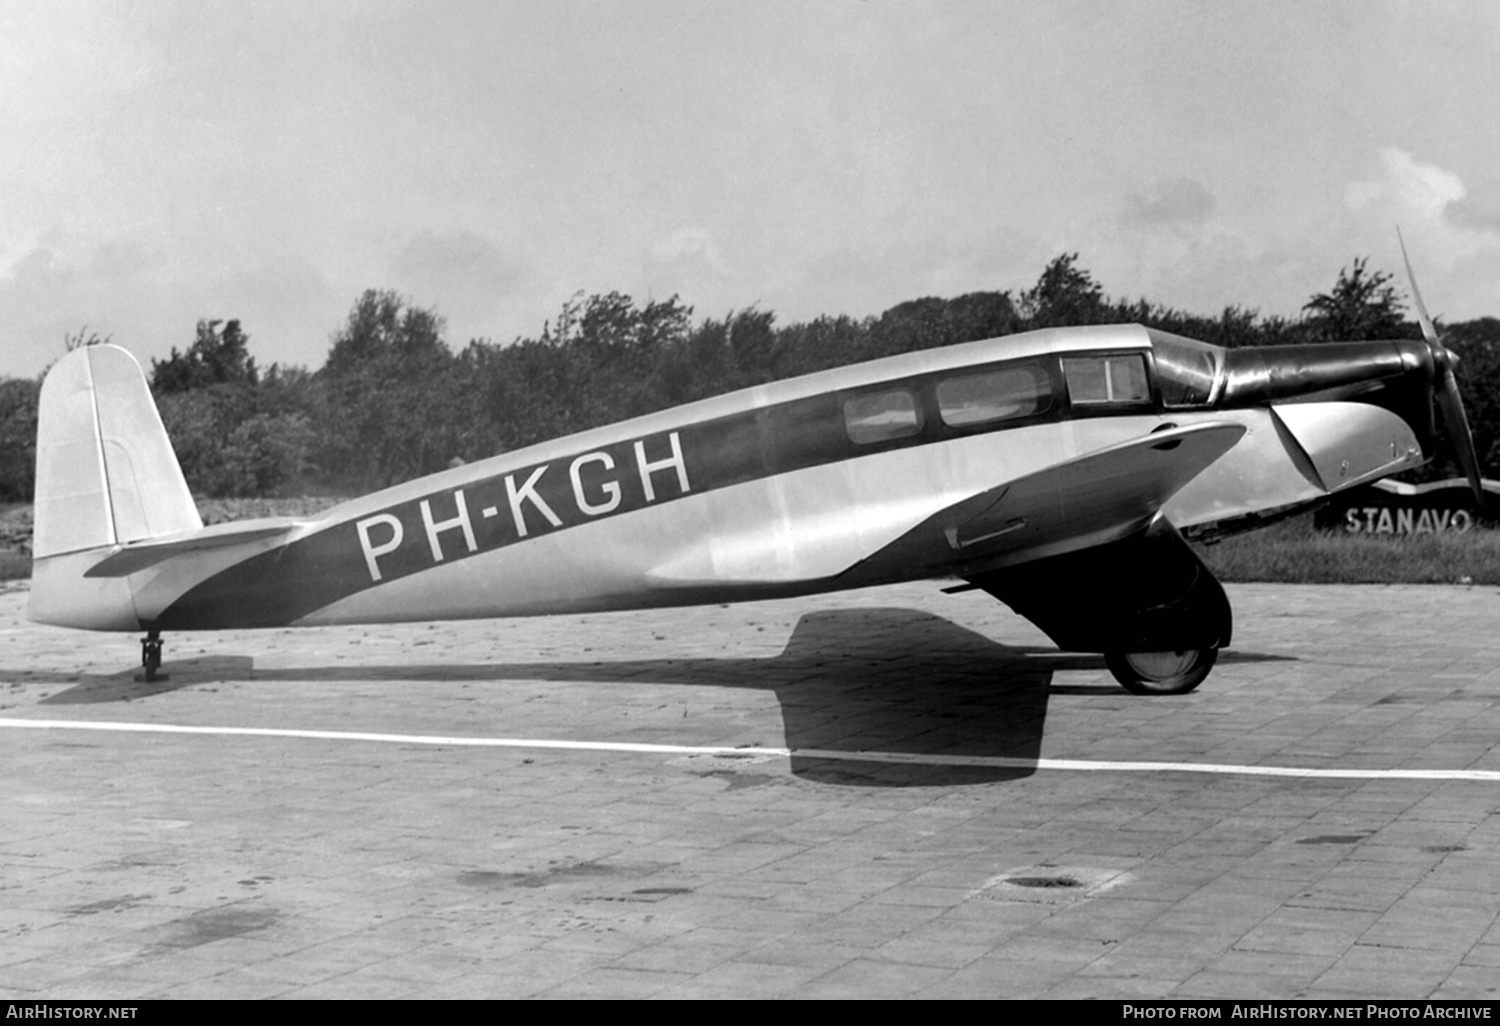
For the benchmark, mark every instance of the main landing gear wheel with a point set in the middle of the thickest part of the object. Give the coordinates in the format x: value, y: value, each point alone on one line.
x: 1161, y: 673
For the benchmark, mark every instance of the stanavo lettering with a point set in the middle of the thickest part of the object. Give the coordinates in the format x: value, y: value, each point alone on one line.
x: 1384, y: 520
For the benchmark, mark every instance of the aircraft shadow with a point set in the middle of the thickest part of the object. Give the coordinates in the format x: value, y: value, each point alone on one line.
x: 894, y: 681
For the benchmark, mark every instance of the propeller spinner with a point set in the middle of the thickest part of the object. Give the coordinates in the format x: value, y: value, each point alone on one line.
x: 1445, y: 387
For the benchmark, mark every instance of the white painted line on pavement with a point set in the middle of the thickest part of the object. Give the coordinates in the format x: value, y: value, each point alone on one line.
x: 906, y: 758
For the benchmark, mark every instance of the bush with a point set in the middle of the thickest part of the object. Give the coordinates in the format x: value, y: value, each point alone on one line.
x: 226, y: 452
x: 18, y: 403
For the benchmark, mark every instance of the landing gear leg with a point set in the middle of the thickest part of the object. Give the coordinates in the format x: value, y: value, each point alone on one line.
x: 151, y: 657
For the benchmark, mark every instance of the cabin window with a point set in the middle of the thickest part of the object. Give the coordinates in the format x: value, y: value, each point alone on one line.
x: 882, y: 416
x: 1107, y: 379
x: 994, y: 395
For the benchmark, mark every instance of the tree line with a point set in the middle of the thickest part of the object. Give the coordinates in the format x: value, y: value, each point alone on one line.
x: 394, y: 400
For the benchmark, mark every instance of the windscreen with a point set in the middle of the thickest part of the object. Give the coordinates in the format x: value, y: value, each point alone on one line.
x: 1188, y: 370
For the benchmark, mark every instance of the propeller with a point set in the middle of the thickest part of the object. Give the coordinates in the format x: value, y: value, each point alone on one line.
x: 1445, y: 388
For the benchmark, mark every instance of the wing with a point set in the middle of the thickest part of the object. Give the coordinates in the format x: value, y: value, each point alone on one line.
x: 1094, y: 499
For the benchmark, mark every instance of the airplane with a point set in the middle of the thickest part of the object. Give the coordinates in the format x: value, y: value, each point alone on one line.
x: 1062, y: 471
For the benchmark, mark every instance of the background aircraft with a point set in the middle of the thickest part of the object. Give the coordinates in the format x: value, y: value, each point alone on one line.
x: 1058, y: 470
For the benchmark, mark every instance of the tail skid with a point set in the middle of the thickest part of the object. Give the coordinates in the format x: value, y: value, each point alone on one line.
x: 106, y: 476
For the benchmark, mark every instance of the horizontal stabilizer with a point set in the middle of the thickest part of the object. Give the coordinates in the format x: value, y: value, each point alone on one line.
x: 139, y: 555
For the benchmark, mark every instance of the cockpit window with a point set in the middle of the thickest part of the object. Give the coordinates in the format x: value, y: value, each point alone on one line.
x: 881, y: 416
x: 1107, y: 379
x: 994, y: 395
x: 1188, y: 370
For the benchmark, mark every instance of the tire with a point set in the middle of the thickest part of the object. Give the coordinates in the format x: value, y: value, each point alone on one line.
x: 1161, y: 673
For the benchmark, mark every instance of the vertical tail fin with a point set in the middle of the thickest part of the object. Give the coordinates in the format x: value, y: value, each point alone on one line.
x: 105, y: 475
x: 105, y: 470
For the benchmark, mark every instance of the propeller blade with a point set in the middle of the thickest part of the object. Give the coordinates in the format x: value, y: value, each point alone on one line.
x: 1445, y: 389
x: 1429, y: 331
x: 1456, y: 424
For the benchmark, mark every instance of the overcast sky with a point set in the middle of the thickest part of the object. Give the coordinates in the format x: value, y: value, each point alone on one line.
x: 165, y: 161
